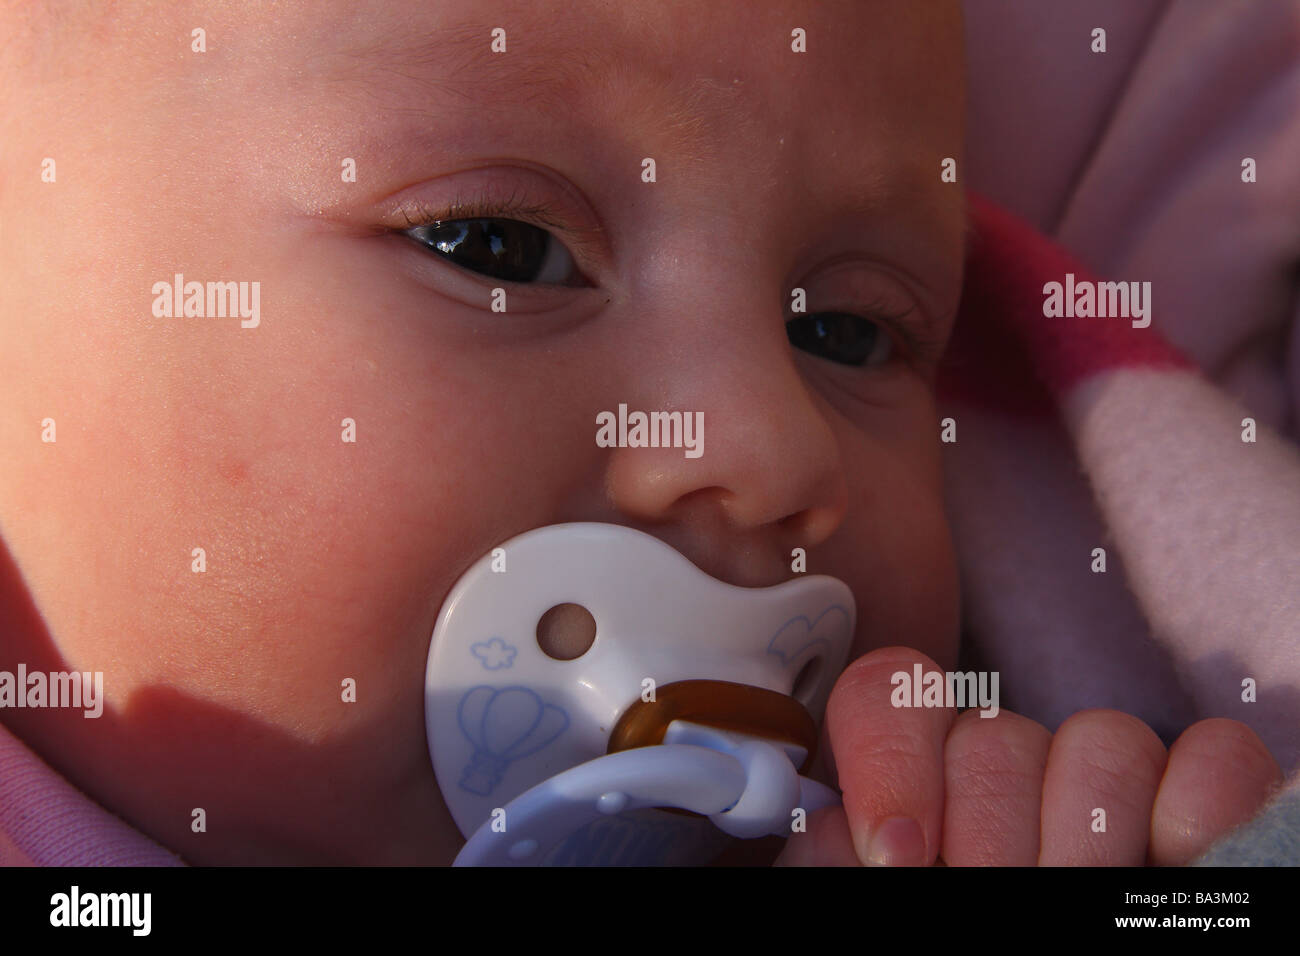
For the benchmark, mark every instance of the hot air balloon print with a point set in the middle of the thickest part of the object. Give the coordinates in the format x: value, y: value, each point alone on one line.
x: 503, y: 725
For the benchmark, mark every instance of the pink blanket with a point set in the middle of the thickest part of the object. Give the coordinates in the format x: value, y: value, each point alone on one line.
x: 45, y: 821
x: 1136, y: 161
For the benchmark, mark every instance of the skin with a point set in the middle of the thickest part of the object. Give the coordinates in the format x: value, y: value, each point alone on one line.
x: 328, y: 560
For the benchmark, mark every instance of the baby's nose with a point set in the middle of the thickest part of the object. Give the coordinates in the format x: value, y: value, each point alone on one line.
x: 770, y: 468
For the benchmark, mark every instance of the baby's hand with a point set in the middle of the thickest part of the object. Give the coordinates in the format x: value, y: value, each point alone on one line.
x: 923, y: 783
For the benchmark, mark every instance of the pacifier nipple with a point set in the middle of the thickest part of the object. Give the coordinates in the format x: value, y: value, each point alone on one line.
x: 763, y: 714
x: 683, y: 693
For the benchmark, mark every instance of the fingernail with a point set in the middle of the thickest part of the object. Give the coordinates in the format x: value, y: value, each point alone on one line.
x: 897, y: 841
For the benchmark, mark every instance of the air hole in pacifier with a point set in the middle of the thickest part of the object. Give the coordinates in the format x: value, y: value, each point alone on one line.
x: 806, y: 682
x: 566, y: 632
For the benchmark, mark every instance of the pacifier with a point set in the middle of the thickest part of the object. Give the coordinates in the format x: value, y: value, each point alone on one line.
x: 685, y: 724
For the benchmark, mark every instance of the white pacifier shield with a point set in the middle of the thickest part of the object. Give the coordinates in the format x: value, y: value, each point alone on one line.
x: 502, y: 716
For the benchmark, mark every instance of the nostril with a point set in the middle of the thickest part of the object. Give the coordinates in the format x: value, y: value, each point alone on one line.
x: 806, y: 683
x: 566, y: 632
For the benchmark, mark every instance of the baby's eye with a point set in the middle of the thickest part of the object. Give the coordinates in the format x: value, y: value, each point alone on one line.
x: 504, y: 249
x: 841, y: 337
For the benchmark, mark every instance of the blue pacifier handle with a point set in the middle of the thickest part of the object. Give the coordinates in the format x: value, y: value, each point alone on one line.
x: 751, y: 789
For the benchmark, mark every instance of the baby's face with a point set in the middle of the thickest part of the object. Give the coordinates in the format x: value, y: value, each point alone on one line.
x: 329, y: 559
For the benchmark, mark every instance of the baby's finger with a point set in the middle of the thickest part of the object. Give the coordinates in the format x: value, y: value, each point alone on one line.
x: 890, y: 760
x: 1103, y: 771
x: 993, y: 777
x: 1219, y: 774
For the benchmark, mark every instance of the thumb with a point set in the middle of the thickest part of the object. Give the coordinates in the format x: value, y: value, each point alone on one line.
x: 890, y: 758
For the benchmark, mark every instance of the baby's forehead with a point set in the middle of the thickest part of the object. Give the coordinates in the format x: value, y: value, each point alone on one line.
x: 498, y: 64
x: 506, y: 55
x: 697, y: 73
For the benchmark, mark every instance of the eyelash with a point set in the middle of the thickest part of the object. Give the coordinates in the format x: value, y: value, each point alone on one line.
x: 484, y: 206
x: 925, y: 346
x: 480, y: 208
x: 895, y: 321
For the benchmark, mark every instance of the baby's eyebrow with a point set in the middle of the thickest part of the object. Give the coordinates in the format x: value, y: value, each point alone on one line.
x: 459, y: 61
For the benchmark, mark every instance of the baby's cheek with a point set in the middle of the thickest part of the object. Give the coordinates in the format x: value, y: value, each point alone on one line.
x: 906, y: 588
x: 926, y: 612
x: 315, y: 593
x: 896, y: 547
x: 246, y: 555
x: 258, y: 588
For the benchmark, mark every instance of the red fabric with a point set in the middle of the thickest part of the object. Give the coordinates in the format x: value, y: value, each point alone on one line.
x: 1005, y: 354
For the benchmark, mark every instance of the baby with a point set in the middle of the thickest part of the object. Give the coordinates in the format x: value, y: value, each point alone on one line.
x: 462, y: 234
